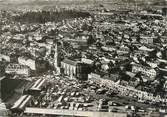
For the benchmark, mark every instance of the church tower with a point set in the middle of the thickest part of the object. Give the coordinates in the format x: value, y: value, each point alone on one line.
x: 56, y: 58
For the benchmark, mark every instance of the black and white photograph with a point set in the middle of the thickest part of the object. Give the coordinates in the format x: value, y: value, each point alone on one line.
x: 83, y: 58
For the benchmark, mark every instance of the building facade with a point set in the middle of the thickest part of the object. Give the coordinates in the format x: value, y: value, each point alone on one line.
x: 75, y: 69
x: 5, y: 57
x: 17, y: 69
x: 146, y: 40
x: 146, y: 71
x: 2, y: 68
x: 82, y: 71
x: 69, y: 67
x: 27, y: 62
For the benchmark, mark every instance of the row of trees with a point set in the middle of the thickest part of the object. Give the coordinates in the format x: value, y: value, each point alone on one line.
x: 45, y: 16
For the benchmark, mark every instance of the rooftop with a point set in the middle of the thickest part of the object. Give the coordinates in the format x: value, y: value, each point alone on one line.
x: 71, y: 62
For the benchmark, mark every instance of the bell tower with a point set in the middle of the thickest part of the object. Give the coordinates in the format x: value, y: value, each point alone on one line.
x: 56, y: 58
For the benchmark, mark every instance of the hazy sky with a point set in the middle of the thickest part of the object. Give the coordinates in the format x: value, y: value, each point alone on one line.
x: 78, y: 0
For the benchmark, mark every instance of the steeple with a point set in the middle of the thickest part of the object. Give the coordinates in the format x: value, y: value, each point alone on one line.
x: 55, y: 56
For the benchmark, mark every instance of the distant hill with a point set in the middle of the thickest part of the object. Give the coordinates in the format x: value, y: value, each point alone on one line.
x: 125, y: 1
x: 40, y: 4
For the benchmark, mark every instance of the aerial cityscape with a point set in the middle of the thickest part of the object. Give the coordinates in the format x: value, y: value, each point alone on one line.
x: 90, y: 58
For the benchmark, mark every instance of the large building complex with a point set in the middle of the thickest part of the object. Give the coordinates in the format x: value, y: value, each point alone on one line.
x: 102, y: 58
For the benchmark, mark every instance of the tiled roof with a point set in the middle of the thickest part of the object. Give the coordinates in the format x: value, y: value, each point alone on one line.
x: 71, y: 62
